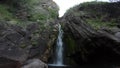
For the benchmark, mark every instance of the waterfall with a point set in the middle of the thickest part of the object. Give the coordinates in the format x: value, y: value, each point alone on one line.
x: 59, y: 49
x: 58, y: 58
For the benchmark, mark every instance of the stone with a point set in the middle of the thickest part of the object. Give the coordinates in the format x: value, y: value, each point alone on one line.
x: 35, y: 63
x: 117, y: 34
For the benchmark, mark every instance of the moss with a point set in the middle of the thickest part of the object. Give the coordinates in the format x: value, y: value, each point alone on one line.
x: 34, y: 43
x: 70, y: 44
x: 23, y: 46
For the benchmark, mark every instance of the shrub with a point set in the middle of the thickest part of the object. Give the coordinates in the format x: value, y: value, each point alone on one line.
x: 38, y: 16
x: 53, y: 13
x: 4, y: 13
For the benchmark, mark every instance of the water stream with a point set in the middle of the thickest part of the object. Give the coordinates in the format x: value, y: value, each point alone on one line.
x: 58, y: 61
x: 58, y: 58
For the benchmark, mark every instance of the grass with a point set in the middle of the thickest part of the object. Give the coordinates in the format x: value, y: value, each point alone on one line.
x: 97, y: 24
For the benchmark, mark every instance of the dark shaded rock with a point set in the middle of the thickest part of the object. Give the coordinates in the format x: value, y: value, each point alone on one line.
x: 19, y: 44
x: 7, y: 63
x: 13, y: 44
x: 43, y: 45
x: 32, y: 27
x: 86, y: 41
x: 19, y: 30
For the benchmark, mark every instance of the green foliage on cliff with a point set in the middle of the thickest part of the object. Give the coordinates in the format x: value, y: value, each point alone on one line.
x: 38, y: 17
x: 71, y: 44
x: 53, y: 13
x: 23, y: 12
x: 97, y: 14
x: 4, y: 13
x: 97, y: 24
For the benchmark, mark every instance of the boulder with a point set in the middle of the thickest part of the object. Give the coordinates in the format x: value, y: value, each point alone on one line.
x: 35, y: 63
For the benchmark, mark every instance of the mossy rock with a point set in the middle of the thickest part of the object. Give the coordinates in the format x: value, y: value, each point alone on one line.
x: 70, y: 44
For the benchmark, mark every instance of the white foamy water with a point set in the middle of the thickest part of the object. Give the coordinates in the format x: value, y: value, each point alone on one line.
x: 58, y: 58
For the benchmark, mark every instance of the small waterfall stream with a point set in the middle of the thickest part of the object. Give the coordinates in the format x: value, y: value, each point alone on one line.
x: 59, y: 49
x: 58, y: 58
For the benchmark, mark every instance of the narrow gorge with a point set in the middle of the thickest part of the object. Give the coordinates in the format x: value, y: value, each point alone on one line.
x: 33, y: 36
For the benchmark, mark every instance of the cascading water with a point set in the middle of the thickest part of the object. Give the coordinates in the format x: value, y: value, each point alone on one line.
x: 59, y: 49
x: 58, y: 59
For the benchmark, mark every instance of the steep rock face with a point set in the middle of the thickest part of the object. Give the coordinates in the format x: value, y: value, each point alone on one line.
x: 32, y: 9
x: 31, y: 32
x: 85, y: 43
x: 12, y: 39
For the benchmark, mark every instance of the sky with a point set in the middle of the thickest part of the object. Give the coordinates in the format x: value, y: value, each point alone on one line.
x: 66, y: 4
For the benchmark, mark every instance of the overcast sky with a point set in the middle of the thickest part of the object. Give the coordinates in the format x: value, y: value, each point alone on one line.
x: 66, y: 4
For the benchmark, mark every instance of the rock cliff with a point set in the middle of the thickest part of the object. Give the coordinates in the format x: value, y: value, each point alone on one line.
x: 89, y: 41
x: 28, y: 29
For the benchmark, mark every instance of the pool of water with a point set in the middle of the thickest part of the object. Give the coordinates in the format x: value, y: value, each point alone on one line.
x: 99, y: 64
x: 86, y: 66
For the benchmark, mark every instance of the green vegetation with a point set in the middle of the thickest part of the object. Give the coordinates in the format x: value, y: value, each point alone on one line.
x: 71, y: 44
x: 23, y: 46
x: 4, y: 13
x: 53, y: 13
x: 97, y: 14
x: 42, y: 17
x: 31, y: 3
x: 97, y: 24
x: 23, y: 12
x: 35, y: 43
x: 38, y: 17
